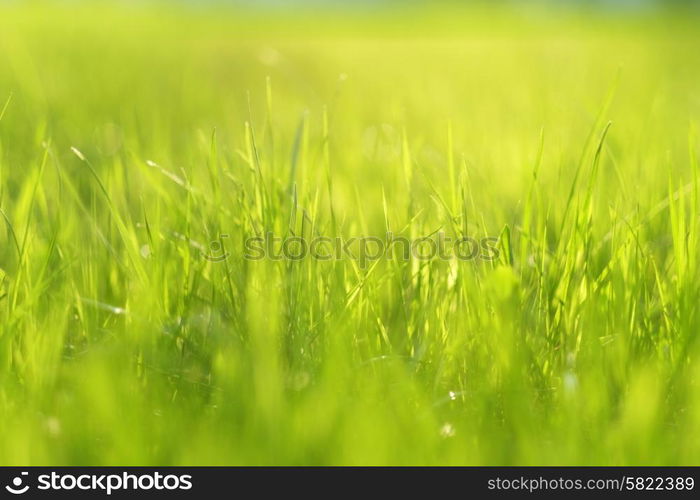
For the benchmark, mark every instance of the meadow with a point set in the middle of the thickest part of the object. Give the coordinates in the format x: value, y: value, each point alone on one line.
x: 141, y: 146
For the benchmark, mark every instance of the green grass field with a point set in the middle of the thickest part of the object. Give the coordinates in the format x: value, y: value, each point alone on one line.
x: 131, y: 138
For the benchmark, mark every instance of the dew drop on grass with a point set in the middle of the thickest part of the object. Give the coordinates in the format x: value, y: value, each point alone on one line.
x: 570, y: 382
x: 145, y: 251
x: 447, y: 430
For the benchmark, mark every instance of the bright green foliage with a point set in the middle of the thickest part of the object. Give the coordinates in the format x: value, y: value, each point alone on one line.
x: 133, y: 137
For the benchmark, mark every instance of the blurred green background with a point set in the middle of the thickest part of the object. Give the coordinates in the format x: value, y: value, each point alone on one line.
x: 568, y: 131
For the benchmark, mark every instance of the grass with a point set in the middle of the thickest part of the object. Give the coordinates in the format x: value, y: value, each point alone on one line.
x: 132, y: 137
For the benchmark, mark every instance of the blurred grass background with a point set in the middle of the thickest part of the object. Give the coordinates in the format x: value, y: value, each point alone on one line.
x: 120, y: 344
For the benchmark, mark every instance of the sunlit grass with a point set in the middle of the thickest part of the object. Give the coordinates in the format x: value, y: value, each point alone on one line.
x: 131, y: 138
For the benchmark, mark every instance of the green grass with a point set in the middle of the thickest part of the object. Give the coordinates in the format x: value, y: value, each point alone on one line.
x: 133, y: 137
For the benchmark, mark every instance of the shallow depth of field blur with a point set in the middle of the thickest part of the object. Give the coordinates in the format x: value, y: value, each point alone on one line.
x: 132, y: 136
